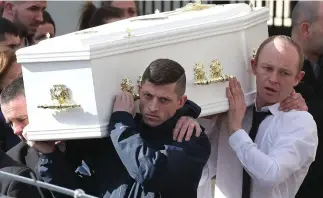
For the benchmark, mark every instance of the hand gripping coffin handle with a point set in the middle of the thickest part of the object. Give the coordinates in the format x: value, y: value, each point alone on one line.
x: 216, y: 73
x: 126, y: 85
x: 60, y: 96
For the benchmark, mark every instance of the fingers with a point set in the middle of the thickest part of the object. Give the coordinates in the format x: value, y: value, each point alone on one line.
x: 238, y: 86
x: 233, y: 87
x: 185, y: 128
x: 183, y: 131
x: 178, y: 127
x: 291, y: 102
x: 198, y: 130
x: 189, y: 131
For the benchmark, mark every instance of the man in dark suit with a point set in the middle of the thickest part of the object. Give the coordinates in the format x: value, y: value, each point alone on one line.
x: 307, y: 32
x: 14, y: 188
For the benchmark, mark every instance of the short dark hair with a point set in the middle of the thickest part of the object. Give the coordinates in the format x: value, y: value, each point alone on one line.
x: 109, y: 4
x: 12, y: 91
x: 47, y: 18
x: 166, y: 71
x: 7, y: 27
x: 304, y: 11
x: 287, y: 40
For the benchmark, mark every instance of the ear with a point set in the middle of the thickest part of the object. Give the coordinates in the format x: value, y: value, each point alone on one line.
x: 253, y: 66
x: 305, y: 29
x: 8, y: 8
x: 299, y: 77
x: 182, y: 101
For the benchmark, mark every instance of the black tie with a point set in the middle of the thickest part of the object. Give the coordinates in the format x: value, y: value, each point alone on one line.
x: 257, y: 118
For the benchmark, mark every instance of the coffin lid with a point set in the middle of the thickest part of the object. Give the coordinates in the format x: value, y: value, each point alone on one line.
x: 113, y: 38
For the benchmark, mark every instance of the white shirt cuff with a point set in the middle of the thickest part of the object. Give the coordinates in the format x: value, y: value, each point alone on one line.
x: 239, y: 138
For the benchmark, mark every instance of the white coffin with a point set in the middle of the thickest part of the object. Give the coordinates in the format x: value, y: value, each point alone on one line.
x: 92, y: 64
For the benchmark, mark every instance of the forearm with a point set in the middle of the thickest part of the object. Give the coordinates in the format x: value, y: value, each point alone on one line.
x: 265, y: 170
x: 54, y: 169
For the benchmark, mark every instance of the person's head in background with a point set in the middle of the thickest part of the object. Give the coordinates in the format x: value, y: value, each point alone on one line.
x: 9, y: 34
x: 130, y: 8
x: 9, y: 68
x: 307, y: 28
x: 14, y: 106
x: 92, y: 16
x: 46, y: 27
x: 26, y: 15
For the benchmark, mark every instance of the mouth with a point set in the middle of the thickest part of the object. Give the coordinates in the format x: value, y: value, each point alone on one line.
x: 271, y: 90
x: 153, y: 117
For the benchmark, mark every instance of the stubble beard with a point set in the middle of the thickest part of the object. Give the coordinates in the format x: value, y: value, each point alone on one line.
x: 22, y: 28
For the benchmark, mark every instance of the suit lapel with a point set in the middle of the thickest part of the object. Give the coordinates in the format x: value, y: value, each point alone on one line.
x: 32, y: 158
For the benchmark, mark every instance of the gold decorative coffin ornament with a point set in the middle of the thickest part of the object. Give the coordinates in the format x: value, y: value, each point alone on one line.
x: 126, y: 85
x: 196, y: 6
x: 216, y: 73
x: 200, y: 75
x: 60, y: 97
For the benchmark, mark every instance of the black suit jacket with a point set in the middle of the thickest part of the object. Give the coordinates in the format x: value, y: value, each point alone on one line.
x: 311, y: 88
x: 23, y: 154
x: 14, y: 188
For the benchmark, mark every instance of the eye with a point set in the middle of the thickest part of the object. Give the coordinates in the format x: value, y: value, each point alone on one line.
x: 147, y: 95
x: 285, y: 73
x: 21, y: 120
x: 163, y: 100
x: 268, y: 68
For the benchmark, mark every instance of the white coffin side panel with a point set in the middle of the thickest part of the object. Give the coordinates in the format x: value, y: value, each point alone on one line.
x: 92, y: 65
x: 79, y: 79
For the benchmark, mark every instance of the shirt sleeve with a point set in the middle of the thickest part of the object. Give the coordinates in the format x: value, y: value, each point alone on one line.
x: 294, y: 148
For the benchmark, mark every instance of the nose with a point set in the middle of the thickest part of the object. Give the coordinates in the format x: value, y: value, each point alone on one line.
x: 39, y: 16
x: 17, y: 129
x: 153, y: 107
x: 273, y: 78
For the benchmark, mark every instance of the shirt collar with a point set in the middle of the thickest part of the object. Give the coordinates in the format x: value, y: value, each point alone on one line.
x: 274, y: 109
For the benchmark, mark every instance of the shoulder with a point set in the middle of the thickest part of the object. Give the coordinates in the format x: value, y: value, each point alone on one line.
x: 18, y: 152
x: 297, y: 118
x: 299, y: 123
x: 199, y: 146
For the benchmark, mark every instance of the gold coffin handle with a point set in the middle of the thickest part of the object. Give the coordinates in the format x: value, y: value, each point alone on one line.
x: 126, y: 85
x: 60, y: 96
x: 59, y: 107
x: 216, y: 73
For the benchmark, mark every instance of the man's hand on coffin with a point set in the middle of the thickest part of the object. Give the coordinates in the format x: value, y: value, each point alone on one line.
x: 294, y: 101
x: 125, y: 102
x: 237, y: 105
x: 43, y: 147
x: 185, y: 127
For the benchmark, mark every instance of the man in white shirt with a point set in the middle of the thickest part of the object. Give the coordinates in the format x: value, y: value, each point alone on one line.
x: 278, y: 150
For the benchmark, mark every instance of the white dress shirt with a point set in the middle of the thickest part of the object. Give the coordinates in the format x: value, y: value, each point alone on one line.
x: 278, y: 160
x: 205, y: 189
